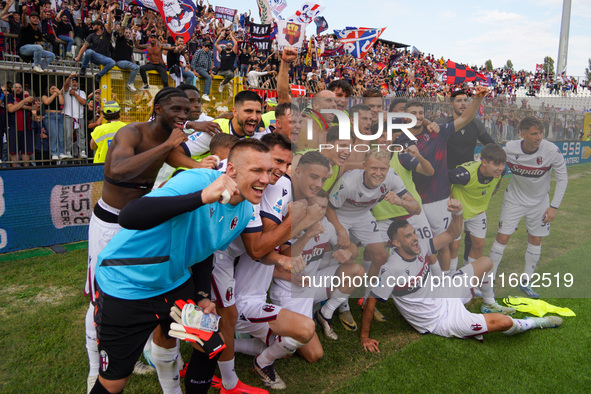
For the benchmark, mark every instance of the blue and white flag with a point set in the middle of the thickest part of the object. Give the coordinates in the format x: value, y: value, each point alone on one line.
x: 358, y: 41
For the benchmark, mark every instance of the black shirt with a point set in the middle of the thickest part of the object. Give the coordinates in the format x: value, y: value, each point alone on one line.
x: 100, y: 44
x: 63, y: 29
x: 460, y: 147
x: 123, y: 48
x: 244, y: 58
x: 82, y: 31
x: 28, y: 36
x: 227, y: 59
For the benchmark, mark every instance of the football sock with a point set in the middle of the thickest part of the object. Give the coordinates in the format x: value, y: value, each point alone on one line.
x: 532, y: 256
x: 165, y: 362
x: 200, y: 372
x: 496, y: 255
x: 486, y: 287
x: 520, y: 325
x: 250, y: 346
x: 471, y: 260
x: 344, y: 307
x: 336, y: 299
x: 98, y: 388
x: 229, y: 377
x: 91, y: 345
x: 283, y: 346
x: 453, y: 264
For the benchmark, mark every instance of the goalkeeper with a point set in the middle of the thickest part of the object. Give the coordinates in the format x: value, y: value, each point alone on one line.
x: 144, y: 269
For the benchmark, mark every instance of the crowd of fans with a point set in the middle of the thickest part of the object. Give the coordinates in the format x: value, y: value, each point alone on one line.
x: 109, y: 32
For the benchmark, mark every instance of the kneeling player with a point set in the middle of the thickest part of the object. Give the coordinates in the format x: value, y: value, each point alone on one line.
x: 290, y: 291
x: 426, y: 305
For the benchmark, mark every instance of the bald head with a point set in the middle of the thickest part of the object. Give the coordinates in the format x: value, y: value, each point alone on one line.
x: 325, y: 99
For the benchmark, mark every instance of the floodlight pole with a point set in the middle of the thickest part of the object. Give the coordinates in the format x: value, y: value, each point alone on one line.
x: 563, y: 42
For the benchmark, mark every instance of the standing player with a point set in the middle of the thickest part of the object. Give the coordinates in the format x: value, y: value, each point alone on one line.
x: 136, y: 153
x: 531, y: 161
x: 434, y: 190
x: 460, y: 149
x: 473, y: 184
x: 142, y: 272
x: 429, y: 308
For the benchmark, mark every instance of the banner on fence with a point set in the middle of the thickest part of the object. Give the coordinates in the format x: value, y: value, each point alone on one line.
x: 47, y: 206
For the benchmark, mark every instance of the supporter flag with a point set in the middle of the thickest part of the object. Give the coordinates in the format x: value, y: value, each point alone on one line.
x: 539, y: 68
x: 277, y: 6
x: 457, y: 73
x: 394, y: 58
x: 359, y: 41
x: 307, y: 13
x: 179, y: 16
x: 321, y: 24
x: 225, y: 13
x: 265, y: 12
x: 308, y: 60
x: 481, y: 111
x: 149, y: 4
x: 297, y: 90
x: 338, y: 51
x: 260, y: 37
x: 384, y: 89
x: 381, y: 66
x: 290, y: 34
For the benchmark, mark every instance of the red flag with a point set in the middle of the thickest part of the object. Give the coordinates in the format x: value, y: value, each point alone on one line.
x: 298, y: 90
x: 457, y: 73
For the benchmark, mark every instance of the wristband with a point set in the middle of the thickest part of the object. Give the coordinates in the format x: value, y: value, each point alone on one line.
x: 459, y: 213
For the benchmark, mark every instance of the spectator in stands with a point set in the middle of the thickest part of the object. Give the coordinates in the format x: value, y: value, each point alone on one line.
x: 254, y: 75
x: 74, y: 103
x: 227, y: 57
x: 30, y: 39
x: 11, y: 21
x: 155, y: 60
x: 123, y: 54
x: 20, y: 134
x: 41, y: 139
x: 244, y: 60
x: 53, y: 120
x: 202, y: 64
x: 99, y: 43
x: 176, y: 61
x: 81, y: 31
x: 65, y: 32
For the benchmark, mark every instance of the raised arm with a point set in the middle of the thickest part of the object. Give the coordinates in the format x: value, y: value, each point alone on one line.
x: 283, y: 91
x: 472, y: 109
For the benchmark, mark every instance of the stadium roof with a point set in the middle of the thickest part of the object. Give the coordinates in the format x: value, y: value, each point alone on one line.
x: 396, y: 44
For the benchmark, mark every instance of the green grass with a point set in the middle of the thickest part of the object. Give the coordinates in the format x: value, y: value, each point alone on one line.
x: 42, y: 328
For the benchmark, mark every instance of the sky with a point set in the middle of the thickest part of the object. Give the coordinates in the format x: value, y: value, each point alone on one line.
x: 468, y: 32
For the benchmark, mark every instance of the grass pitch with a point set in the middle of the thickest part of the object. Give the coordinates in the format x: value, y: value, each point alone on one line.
x: 42, y: 328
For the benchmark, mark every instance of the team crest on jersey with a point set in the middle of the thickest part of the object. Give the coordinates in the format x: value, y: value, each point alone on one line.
x: 234, y: 223
x: 242, y: 317
x: 341, y: 187
x: 104, y: 360
x: 211, y: 211
x: 317, y: 238
x: 539, y: 160
x: 269, y: 308
x: 383, y: 189
x: 229, y: 293
x: 483, y: 192
x: 476, y: 327
x: 382, y: 270
x: 426, y: 136
x: 278, y: 205
x: 360, y: 194
x: 407, y: 272
x: 500, y: 224
x: 516, y: 157
x: 421, y: 259
x: 284, y: 193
